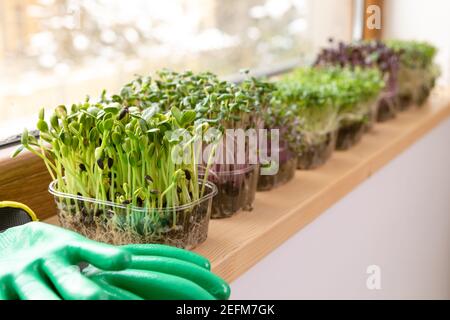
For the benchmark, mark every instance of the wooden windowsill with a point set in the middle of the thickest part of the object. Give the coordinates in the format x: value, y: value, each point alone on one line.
x: 234, y: 245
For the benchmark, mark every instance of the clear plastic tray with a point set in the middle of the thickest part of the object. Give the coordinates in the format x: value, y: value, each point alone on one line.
x: 387, y: 107
x: 184, y: 226
x: 316, y: 154
x: 371, y: 116
x: 236, y: 189
x: 350, y: 133
x: 287, y: 165
x: 415, y: 86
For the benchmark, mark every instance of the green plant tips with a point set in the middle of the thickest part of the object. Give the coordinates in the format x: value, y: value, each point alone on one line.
x: 220, y: 104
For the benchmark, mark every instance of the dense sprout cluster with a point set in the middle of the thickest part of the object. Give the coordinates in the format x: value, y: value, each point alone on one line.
x: 417, y: 72
x: 318, y: 99
x: 363, y: 54
x: 119, y: 153
x: 319, y: 91
x: 355, y: 87
x: 414, y: 54
x: 220, y: 103
x: 307, y: 93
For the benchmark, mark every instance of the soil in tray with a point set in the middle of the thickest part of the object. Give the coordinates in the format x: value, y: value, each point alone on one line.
x: 234, y: 192
x: 423, y: 94
x: 184, y: 228
x: 317, y: 154
x: 404, y: 101
x: 386, y: 109
x: 350, y: 134
x: 286, y: 172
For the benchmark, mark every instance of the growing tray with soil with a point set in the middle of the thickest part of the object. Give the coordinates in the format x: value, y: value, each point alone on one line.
x: 316, y: 154
x: 236, y: 189
x: 425, y: 89
x: 371, y: 116
x: 287, y: 166
x: 404, y: 101
x: 350, y: 133
x: 184, y: 226
x: 387, y: 107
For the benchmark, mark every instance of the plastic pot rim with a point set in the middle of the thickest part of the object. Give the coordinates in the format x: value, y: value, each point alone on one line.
x: 209, y: 195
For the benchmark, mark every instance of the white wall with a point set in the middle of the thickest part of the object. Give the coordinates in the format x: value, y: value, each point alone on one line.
x: 398, y: 219
x: 422, y: 20
x: 329, y: 19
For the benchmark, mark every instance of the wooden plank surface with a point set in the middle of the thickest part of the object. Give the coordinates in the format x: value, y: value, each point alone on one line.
x: 234, y: 245
x: 25, y: 179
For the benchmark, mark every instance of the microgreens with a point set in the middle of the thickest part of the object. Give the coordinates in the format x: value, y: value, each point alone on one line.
x: 317, y: 95
x: 220, y: 103
x: 119, y: 153
x: 363, y: 54
x: 414, y: 54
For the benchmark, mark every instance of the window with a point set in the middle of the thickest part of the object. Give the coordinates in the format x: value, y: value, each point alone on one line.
x: 58, y: 51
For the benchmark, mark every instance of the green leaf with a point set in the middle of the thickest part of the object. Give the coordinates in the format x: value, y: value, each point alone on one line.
x: 150, y: 112
x: 42, y: 125
x: 113, y: 108
x: 54, y: 122
x: 17, y: 151
x: 108, y: 124
x: 93, y: 111
x: 177, y: 115
x: 61, y: 112
x: 188, y: 117
x: 93, y: 135
x: 116, y: 138
x: 24, y: 138
x: 41, y: 114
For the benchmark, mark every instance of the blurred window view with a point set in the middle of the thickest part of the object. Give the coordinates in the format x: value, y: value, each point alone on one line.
x: 58, y: 51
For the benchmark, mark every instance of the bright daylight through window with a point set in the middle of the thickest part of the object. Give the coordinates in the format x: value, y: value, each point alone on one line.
x: 57, y: 51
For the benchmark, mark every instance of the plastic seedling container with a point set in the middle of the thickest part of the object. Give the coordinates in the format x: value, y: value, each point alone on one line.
x: 236, y: 188
x: 184, y: 226
x: 353, y: 124
x: 387, y: 107
x: 422, y: 95
x: 428, y: 77
x: 371, y: 117
x: 287, y: 165
x: 317, y: 151
x: 350, y: 133
x: 411, y: 84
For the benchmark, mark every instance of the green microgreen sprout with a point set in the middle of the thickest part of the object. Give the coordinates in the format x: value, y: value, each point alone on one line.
x: 318, y: 97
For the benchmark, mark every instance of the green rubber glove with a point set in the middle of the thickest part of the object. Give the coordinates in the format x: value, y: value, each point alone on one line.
x: 161, y: 272
x: 39, y: 261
